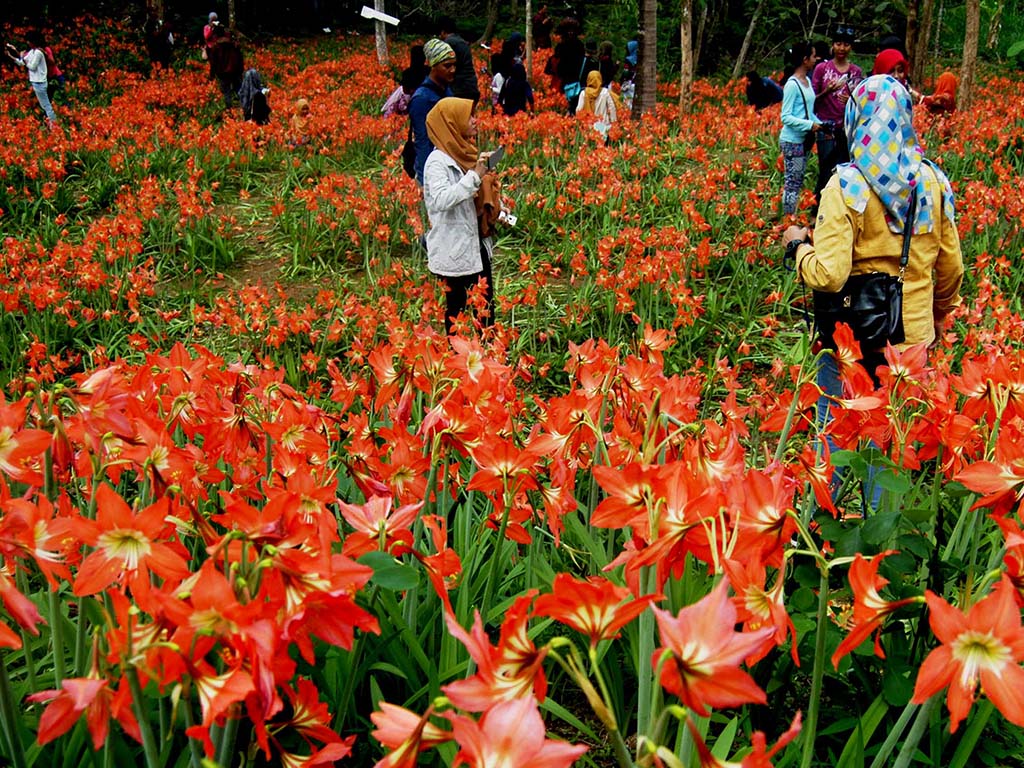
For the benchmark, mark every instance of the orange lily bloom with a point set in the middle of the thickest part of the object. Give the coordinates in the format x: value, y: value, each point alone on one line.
x: 511, y: 733
x: 704, y: 653
x: 595, y: 607
x: 983, y: 647
x: 870, y: 610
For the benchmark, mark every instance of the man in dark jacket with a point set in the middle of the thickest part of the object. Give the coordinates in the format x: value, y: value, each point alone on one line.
x: 465, y: 85
x: 441, y: 60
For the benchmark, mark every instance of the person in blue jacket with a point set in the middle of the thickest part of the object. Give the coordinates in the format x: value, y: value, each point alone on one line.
x: 762, y: 91
x: 799, y: 122
x: 441, y: 60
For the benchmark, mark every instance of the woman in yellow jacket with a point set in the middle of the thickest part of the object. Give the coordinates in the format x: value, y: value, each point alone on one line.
x: 864, y: 209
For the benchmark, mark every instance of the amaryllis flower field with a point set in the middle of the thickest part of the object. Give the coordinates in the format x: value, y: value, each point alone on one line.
x: 256, y: 509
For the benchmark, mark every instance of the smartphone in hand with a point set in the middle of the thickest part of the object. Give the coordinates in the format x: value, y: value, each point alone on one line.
x: 495, y: 158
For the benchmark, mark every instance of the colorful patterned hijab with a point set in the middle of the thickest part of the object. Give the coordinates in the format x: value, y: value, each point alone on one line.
x: 886, y: 158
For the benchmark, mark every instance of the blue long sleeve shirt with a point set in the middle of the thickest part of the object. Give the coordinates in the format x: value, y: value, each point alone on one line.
x: 796, y: 120
x: 426, y: 96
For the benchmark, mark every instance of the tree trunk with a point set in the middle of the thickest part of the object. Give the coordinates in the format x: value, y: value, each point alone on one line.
x: 492, y: 22
x: 529, y: 38
x: 698, y: 39
x: 994, y: 26
x: 741, y: 59
x: 232, y: 16
x: 686, y: 55
x: 967, y: 70
x: 924, y: 32
x: 647, y: 65
x: 380, y: 32
x: 913, y: 53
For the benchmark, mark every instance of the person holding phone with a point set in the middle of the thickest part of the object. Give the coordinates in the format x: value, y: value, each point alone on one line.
x: 461, y: 195
x: 34, y: 60
x: 834, y: 81
x: 799, y: 122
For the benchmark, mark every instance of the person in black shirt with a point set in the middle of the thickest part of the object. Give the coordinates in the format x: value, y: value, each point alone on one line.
x: 571, y: 60
x: 465, y: 85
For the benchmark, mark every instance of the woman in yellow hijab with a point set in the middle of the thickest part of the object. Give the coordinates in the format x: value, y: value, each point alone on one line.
x: 597, y: 101
x: 462, y: 201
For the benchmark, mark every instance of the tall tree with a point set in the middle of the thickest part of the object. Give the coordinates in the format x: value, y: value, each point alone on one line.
x: 970, y: 63
x: 647, y: 67
x: 910, y: 40
x: 381, y: 35
x: 924, y: 32
x: 686, y: 62
x: 492, y: 21
x: 741, y: 59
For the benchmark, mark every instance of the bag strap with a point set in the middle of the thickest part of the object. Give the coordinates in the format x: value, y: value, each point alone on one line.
x: 579, y: 77
x: 908, y: 230
x: 807, y: 112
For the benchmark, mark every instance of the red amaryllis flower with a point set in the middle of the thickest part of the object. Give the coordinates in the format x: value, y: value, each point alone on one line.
x: 703, y: 652
x: 20, y: 448
x: 510, y: 734
x: 512, y: 669
x: 985, y: 646
x: 96, y: 699
x: 595, y: 607
x: 377, y: 526
x: 869, y: 609
x: 406, y: 734
x: 127, y: 545
x: 757, y: 606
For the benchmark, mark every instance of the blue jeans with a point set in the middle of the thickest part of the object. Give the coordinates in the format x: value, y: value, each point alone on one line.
x: 44, y: 101
x: 831, y: 387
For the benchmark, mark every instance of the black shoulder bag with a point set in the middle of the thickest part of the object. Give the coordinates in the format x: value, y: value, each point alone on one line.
x: 409, y: 155
x: 809, y: 138
x: 871, y: 304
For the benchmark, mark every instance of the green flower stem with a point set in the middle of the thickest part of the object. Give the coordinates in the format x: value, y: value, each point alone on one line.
x: 906, y: 754
x: 790, y: 415
x: 894, y: 736
x: 9, y: 717
x: 227, y: 742
x: 57, y: 636
x: 356, y: 656
x: 148, y: 742
x: 645, y: 650
x: 195, y: 756
x: 496, y: 559
x: 809, y: 732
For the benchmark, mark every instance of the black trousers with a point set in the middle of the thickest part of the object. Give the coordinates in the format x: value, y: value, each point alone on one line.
x: 832, y: 150
x: 458, y: 293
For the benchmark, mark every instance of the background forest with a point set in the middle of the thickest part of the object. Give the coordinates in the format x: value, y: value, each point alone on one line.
x: 718, y: 27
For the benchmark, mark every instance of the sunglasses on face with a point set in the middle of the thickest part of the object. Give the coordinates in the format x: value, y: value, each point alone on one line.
x: 845, y: 32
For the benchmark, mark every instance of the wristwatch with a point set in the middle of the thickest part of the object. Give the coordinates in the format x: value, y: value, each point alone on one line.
x: 791, y: 247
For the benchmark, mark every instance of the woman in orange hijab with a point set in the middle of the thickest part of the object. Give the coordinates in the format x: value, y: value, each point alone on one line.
x: 944, y: 98
x: 462, y: 201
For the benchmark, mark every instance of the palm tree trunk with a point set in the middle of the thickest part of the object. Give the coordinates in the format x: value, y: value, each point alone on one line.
x: 647, y: 69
